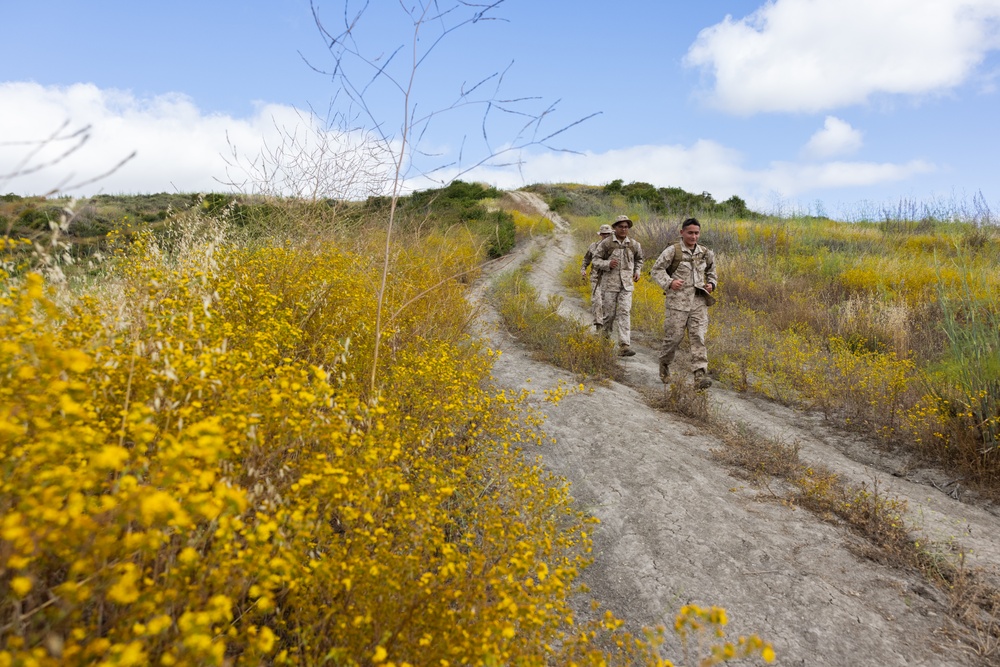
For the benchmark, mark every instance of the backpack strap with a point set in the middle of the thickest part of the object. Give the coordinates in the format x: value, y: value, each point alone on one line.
x: 676, y: 261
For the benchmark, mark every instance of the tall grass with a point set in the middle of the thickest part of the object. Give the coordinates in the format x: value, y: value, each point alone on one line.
x: 972, y: 362
x: 539, y: 326
x: 878, y: 325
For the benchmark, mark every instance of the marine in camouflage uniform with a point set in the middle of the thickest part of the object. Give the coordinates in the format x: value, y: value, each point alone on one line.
x: 595, y: 276
x: 688, y: 294
x: 619, y: 258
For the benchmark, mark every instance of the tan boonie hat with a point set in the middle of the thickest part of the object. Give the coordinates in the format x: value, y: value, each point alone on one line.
x: 605, y: 229
x: 623, y: 218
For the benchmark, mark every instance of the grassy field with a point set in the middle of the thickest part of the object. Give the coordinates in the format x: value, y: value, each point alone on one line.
x: 890, y: 327
x: 197, y: 469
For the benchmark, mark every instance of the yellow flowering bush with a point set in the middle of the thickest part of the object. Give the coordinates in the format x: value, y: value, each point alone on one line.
x: 193, y: 472
x: 648, y: 305
x: 705, y: 627
x: 196, y: 470
x: 865, y: 387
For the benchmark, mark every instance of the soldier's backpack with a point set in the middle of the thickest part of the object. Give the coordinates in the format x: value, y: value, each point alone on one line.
x: 676, y: 261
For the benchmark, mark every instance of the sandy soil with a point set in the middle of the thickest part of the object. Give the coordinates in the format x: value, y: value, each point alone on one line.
x: 678, y: 527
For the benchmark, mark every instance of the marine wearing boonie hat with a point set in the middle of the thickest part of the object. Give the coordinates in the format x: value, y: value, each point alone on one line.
x: 605, y: 229
x: 623, y: 218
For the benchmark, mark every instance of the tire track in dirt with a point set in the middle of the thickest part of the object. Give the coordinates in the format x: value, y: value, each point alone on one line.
x: 677, y: 528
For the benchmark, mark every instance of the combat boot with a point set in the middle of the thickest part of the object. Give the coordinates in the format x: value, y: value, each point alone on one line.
x: 626, y: 351
x: 664, y: 372
x: 701, y: 381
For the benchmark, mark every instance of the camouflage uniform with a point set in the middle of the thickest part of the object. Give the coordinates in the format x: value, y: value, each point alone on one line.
x: 617, y: 284
x: 686, y: 308
x: 595, y: 281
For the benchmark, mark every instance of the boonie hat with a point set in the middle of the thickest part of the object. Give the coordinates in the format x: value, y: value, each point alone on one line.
x: 623, y: 218
x: 605, y: 229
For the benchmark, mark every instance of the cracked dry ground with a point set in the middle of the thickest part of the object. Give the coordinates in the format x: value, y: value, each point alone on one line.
x: 678, y: 527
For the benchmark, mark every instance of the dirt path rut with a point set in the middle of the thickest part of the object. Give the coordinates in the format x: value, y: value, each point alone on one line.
x: 677, y: 527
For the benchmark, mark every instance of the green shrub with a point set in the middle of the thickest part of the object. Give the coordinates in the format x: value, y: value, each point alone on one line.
x: 34, y: 218
x: 498, y: 231
x: 559, y: 203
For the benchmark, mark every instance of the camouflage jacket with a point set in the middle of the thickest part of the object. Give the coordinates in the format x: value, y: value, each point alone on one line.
x: 629, y: 256
x: 588, y: 257
x: 697, y: 269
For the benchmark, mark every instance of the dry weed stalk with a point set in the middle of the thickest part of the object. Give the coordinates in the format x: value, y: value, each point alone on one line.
x: 362, y: 74
x: 63, y: 142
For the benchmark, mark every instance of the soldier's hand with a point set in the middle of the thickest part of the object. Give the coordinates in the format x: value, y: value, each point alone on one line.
x: 635, y: 277
x: 676, y: 284
x: 583, y: 275
x: 614, y: 263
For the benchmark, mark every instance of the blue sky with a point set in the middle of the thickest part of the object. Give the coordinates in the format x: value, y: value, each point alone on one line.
x: 824, y: 106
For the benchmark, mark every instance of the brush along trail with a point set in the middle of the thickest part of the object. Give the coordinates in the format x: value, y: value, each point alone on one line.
x: 677, y: 526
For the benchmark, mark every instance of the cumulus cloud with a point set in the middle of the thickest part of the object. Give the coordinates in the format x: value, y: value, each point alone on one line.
x: 702, y: 166
x: 792, y: 179
x: 178, y: 147
x: 836, y: 138
x: 815, y: 55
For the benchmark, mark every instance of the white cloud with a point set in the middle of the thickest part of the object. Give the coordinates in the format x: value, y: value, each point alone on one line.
x: 836, y: 138
x: 703, y: 166
x: 814, y: 55
x: 178, y: 148
x: 691, y: 167
x: 793, y: 179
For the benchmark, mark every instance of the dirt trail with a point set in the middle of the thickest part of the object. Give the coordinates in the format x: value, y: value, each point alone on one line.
x: 677, y: 527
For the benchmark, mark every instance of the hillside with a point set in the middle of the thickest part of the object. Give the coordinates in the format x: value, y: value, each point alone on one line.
x: 682, y: 524
x: 271, y: 432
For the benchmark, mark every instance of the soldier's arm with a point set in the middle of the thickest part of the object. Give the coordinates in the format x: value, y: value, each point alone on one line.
x: 601, y: 254
x: 638, y: 257
x: 659, y: 272
x: 710, y: 275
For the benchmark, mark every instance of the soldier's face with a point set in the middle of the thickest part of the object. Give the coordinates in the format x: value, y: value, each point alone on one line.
x: 690, y: 235
x: 621, y: 230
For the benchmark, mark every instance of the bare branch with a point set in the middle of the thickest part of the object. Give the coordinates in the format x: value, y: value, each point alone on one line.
x: 365, y: 80
x: 76, y: 186
x: 77, y: 140
x: 22, y: 169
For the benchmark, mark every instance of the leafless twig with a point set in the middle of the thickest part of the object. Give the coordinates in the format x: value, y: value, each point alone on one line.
x: 365, y: 78
x: 70, y: 142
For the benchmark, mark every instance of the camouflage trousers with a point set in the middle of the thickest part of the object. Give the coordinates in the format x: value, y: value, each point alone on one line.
x: 616, y: 308
x: 695, y: 322
x: 595, y: 298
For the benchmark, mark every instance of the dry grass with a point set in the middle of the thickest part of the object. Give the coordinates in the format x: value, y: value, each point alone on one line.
x: 757, y: 457
x: 970, y: 595
x: 679, y: 397
x: 975, y: 603
x: 878, y: 327
x: 550, y: 336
